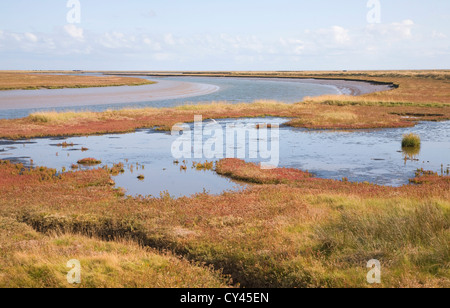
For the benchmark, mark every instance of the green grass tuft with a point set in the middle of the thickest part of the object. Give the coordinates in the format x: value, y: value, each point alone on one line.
x: 411, y: 141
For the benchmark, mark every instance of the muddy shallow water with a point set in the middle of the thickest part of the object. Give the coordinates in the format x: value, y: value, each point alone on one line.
x: 374, y: 156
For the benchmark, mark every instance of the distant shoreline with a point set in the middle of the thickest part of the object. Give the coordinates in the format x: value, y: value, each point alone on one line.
x: 11, y: 81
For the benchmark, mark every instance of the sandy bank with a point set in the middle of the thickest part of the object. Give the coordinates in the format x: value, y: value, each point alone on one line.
x: 164, y: 89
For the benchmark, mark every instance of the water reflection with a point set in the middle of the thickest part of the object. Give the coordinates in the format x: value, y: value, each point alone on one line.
x: 411, y: 153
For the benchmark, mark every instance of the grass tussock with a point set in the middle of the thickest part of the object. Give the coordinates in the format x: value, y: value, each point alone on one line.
x: 411, y: 141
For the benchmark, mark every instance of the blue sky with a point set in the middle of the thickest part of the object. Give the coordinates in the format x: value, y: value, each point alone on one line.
x: 225, y: 35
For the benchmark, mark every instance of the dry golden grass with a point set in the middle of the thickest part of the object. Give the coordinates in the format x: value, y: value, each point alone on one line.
x: 62, y: 117
x: 27, y: 81
x: 29, y: 259
x: 302, y: 232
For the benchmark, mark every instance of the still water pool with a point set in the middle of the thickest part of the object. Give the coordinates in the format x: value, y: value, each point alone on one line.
x: 374, y: 156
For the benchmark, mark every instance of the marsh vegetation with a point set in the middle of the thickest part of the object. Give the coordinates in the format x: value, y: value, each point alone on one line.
x: 301, y: 232
x: 34, y: 81
x: 287, y: 228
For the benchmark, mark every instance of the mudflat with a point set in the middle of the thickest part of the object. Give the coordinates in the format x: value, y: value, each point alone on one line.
x: 45, y: 98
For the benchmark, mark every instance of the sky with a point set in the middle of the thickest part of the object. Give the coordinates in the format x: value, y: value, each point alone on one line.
x: 224, y: 35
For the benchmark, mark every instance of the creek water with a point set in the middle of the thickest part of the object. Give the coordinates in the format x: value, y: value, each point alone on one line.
x: 168, y: 92
x: 374, y: 156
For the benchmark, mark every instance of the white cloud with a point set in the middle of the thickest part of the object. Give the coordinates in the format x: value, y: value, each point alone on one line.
x: 237, y: 43
x: 340, y: 35
x: 161, y: 56
x: 16, y: 37
x: 438, y: 35
x: 293, y: 45
x: 392, y: 32
x: 74, y: 31
x: 152, y: 44
x: 138, y: 42
x: 50, y: 43
x: 168, y: 39
x: 333, y: 46
x: 31, y: 37
x: 115, y: 40
x: 334, y: 37
x: 404, y: 28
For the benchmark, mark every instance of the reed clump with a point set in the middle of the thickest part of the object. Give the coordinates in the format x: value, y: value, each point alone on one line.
x: 411, y: 141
